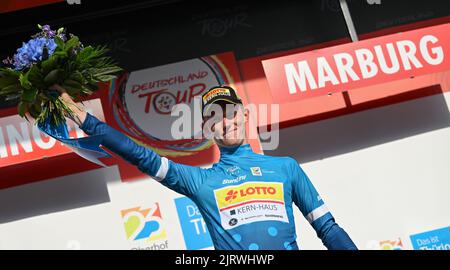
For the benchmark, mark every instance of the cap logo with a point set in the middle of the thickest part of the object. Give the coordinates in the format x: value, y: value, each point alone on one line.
x: 216, y: 92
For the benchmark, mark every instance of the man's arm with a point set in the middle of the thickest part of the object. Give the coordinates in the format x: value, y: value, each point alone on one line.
x: 335, y: 238
x: 306, y: 197
x: 145, y: 159
x: 178, y: 177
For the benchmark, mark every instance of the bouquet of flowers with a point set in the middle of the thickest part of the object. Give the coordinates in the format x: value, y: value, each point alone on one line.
x: 49, y: 58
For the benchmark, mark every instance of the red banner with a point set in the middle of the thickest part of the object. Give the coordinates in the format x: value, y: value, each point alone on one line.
x: 14, y: 5
x: 355, y: 65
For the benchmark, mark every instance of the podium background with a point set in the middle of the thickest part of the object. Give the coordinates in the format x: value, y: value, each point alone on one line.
x: 383, y: 172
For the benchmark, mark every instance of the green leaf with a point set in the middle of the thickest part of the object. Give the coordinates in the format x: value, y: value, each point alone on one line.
x: 54, y: 76
x: 35, y: 110
x: 106, y: 78
x: 86, y: 90
x: 72, y: 91
x: 35, y: 75
x: 22, y: 108
x: 73, y: 87
x: 74, y: 41
x: 60, y: 30
x: 77, y: 76
x: 59, y: 42
x: 5, y: 81
x: 107, y: 70
x: 10, y: 89
x: 9, y: 72
x: 72, y: 83
x: 48, y: 65
x: 39, y: 26
x: 84, y: 53
x: 24, y: 82
x: 60, y: 53
x: 29, y: 95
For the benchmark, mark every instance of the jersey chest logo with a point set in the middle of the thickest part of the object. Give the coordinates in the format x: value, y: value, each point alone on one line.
x: 250, y: 202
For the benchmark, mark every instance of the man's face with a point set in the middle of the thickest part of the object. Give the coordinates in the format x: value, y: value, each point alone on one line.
x: 226, y: 122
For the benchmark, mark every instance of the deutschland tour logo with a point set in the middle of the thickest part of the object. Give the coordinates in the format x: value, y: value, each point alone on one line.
x: 142, y: 103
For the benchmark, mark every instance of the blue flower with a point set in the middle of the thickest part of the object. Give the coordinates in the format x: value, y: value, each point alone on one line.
x: 32, y: 51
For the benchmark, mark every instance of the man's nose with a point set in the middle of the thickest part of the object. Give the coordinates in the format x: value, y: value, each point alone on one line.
x: 226, y: 122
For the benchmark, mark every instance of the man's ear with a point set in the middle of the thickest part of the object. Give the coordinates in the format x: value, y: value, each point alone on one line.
x: 246, y: 114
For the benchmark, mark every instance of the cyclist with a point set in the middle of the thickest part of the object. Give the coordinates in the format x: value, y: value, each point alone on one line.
x: 246, y: 199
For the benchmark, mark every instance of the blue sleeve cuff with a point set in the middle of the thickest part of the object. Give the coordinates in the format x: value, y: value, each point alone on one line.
x: 337, y: 239
x: 88, y: 126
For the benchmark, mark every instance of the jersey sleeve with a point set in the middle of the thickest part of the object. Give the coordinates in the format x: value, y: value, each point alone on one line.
x: 307, y: 199
x: 313, y: 208
x: 178, y: 177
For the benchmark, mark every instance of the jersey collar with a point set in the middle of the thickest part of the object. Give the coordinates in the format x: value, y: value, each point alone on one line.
x: 235, y: 151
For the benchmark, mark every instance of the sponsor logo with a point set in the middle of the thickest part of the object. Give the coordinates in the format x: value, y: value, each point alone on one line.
x: 249, y: 191
x: 231, y: 195
x: 250, y: 202
x: 432, y: 240
x: 235, y: 180
x: 256, y: 171
x: 195, y: 232
x: 144, y: 223
x: 391, y: 244
x: 154, y: 246
x: 234, y: 170
x: 216, y: 92
x: 233, y: 222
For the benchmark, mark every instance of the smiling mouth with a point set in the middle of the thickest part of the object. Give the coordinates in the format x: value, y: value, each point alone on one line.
x: 229, y: 132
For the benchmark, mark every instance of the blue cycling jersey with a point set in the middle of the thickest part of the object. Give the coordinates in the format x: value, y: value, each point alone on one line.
x: 245, y: 199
